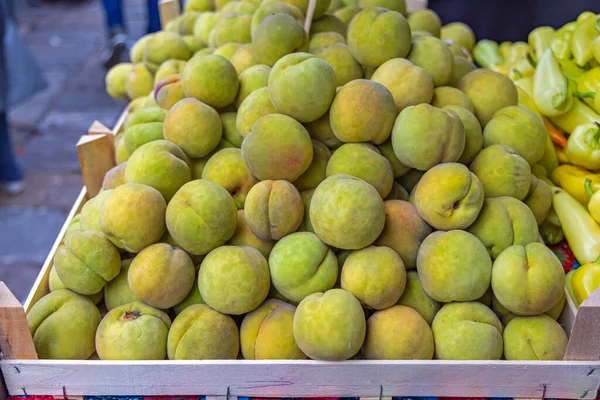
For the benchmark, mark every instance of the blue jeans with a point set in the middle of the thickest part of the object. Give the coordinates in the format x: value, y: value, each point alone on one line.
x: 115, y: 20
x: 9, y: 170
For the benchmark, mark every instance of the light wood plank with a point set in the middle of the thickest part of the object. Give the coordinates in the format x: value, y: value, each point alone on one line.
x: 169, y: 10
x: 96, y: 157
x: 310, y: 12
x: 567, y: 317
x: 98, y: 128
x: 584, y: 343
x: 563, y: 379
x: 15, y: 338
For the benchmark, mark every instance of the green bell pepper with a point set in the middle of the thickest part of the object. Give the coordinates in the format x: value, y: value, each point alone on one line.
x: 486, y: 53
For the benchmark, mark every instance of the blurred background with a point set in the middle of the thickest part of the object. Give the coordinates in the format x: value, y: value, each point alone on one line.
x: 68, y: 40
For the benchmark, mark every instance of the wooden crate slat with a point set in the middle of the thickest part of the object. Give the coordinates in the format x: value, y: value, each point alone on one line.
x: 15, y: 339
x: 573, y: 380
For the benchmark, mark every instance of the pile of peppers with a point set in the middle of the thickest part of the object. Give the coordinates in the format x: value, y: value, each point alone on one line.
x: 557, y: 74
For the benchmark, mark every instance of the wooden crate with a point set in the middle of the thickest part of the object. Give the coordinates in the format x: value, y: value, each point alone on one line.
x: 577, y: 377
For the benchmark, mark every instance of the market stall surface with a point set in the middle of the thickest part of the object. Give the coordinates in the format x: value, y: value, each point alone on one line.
x: 66, y: 38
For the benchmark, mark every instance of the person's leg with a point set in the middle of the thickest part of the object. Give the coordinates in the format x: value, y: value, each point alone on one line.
x: 113, y: 10
x: 116, y: 47
x: 153, y: 16
x: 11, y: 177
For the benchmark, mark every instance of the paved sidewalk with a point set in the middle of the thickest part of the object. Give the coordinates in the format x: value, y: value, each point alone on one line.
x: 67, y: 38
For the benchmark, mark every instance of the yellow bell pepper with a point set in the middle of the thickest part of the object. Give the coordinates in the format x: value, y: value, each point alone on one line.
x: 578, y: 114
x: 504, y: 49
x: 584, y: 15
x: 586, y: 280
x: 569, y: 286
x: 580, y: 229
x: 583, y: 36
x: 596, y: 49
x: 572, y: 179
x: 571, y: 70
x: 518, y: 62
x: 583, y: 146
x: 561, y: 44
x: 526, y: 83
x: 551, y: 87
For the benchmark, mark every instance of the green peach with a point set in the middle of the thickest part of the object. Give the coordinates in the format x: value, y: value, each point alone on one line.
x: 199, y: 5
x: 197, y: 166
x: 398, y: 333
x: 301, y: 265
x: 473, y: 134
x: 139, y: 81
x: 397, y: 193
x: 136, y: 54
x: 234, y: 280
x: 86, y: 261
x: 410, y: 180
x: 363, y: 111
x: 325, y: 39
x: 161, y: 165
x: 116, y: 79
x: 251, y: 79
x: 449, y: 196
x: 528, y: 280
x: 201, y: 216
x: 518, y: 128
x: 227, y: 168
x: 204, y: 25
x: 345, y: 14
x: 376, y: 35
x: 373, y: 168
x: 201, y: 333
x: 434, y: 56
x: 316, y: 172
x: 425, y: 20
x: 321, y: 130
x: 232, y: 27
x: 394, y: 5
x: 161, y: 275
x: 459, y: 33
x: 404, y: 230
x: 346, y: 212
x: 194, y: 43
x: 192, y: 298
x: 448, y: 96
x: 267, y: 333
x: 133, y: 331
x: 302, y: 86
x: 375, y: 275
x: 330, y: 326
x: 230, y: 132
x: 117, y: 292
x: 63, y: 325
x: 143, y: 116
x: 273, y: 209
x: 277, y: 35
x: 328, y: 23
x: 306, y: 225
x: 140, y: 134
x: 244, y: 236
x: 502, y: 172
x: 211, y: 79
x: 170, y: 67
x: 338, y: 55
x: 272, y: 7
x: 163, y: 46
x: 504, y: 222
x: 539, y: 199
x: 256, y: 105
x: 534, y: 338
x: 133, y: 216
x: 243, y: 58
x: 415, y: 297
x: 409, y: 85
x: 169, y: 92
x: 320, y: 6
x: 462, y: 67
x: 88, y: 217
x: 387, y: 150
x: 424, y: 136
x: 227, y: 50
x: 489, y: 92
x: 454, y: 266
x: 278, y: 147
x: 467, y: 331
